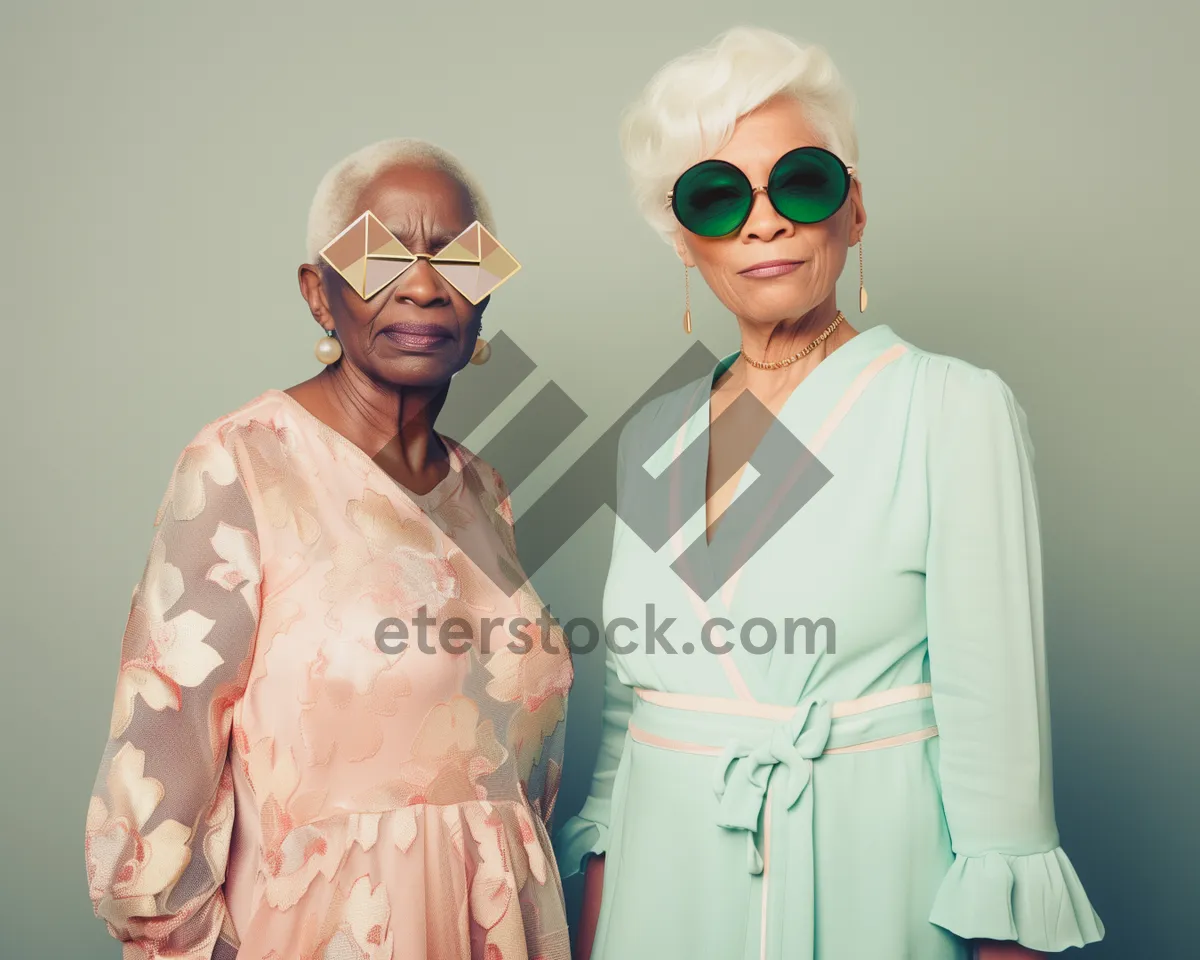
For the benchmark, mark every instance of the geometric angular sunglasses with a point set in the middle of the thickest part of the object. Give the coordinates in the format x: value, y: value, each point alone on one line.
x: 368, y: 256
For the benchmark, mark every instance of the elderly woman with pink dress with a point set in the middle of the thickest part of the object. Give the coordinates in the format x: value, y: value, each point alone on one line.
x: 339, y: 711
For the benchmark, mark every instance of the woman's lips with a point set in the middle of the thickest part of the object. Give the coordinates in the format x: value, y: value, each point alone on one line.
x: 416, y: 336
x: 772, y: 268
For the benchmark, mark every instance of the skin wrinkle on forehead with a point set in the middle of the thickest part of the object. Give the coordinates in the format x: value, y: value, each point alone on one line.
x: 423, y: 222
x: 419, y: 234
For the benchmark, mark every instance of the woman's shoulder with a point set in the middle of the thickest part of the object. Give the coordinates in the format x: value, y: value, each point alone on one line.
x: 218, y: 450
x: 950, y: 382
x: 966, y: 404
x: 270, y: 414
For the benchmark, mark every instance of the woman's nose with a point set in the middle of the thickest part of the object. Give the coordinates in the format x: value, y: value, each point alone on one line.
x: 421, y: 285
x: 764, y: 222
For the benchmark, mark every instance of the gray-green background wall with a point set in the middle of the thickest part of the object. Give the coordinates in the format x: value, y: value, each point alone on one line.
x: 1023, y: 166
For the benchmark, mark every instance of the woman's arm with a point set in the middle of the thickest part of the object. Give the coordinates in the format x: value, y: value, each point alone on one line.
x: 589, y: 912
x: 999, y: 950
x: 161, y: 815
x: 583, y: 840
x: 1010, y: 882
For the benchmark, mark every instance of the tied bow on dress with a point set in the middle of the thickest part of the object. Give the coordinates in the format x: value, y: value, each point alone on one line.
x: 745, y: 771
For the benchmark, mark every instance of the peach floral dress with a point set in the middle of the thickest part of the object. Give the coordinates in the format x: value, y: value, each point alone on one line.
x: 280, y: 785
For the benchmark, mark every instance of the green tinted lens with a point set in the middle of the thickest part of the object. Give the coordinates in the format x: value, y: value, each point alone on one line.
x: 712, y: 198
x: 808, y: 185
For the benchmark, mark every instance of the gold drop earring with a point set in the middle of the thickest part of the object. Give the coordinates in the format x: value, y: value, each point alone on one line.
x: 687, y: 301
x: 862, y: 290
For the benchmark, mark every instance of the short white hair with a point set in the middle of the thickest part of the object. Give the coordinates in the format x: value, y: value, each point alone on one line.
x: 337, y: 194
x: 688, y: 110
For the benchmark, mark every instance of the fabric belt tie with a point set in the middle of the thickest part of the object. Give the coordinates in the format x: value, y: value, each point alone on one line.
x: 744, y: 770
x: 763, y: 779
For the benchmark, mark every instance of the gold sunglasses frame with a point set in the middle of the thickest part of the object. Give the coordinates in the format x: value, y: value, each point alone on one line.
x: 393, y: 250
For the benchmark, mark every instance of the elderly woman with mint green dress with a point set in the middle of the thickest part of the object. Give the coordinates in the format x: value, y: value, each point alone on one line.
x: 848, y: 754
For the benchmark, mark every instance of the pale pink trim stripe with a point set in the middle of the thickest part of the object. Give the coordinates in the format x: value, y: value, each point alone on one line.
x: 772, y: 711
x: 832, y: 422
x: 736, y: 680
x: 853, y: 393
x: 721, y: 705
x: 730, y: 586
x: 884, y: 742
x: 685, y: 746
x: 882, y: 698
x: 766, y: 855
x: 682, y: 746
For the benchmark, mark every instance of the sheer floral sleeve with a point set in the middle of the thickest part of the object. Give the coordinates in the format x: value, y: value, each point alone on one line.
x: 161, y: 815
x: 547, y: 675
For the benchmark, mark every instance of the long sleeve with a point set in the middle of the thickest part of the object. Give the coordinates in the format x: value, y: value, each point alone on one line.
x: 161, y: 816
x: 1010, y: 879
x: 548, y: 673
x: 586, y: 834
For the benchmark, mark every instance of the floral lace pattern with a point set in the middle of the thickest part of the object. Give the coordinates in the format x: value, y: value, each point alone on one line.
x: 277, y: 785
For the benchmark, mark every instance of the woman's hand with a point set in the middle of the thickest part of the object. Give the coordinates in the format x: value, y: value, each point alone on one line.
x: 589, y: 912
x: 1004, y: 950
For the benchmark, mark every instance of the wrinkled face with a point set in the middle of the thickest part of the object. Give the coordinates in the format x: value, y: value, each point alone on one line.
x: 418, y: 330
x: 772, y: 269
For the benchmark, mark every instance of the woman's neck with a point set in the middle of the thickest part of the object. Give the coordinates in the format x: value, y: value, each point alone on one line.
x: 769, y: 343
x: 393, y: 423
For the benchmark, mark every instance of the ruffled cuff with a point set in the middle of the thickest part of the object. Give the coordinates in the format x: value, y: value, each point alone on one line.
x: 1036, y: 900
x: 578, y: 839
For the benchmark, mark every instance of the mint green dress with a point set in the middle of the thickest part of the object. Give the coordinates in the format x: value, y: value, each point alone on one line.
x: 880, y: 786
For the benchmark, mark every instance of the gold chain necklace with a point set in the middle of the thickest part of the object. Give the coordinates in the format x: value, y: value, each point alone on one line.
x: 788, y: 361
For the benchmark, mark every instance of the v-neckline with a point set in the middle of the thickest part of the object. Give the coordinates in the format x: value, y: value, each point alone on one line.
x: 843, y: 364
x: 426, y: 502
x: 826, y: 368
x: 831, y: 361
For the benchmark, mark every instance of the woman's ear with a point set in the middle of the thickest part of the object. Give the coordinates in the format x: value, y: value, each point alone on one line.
x: 858, y: 218
x: 681, y: 249
x: 312, y: 289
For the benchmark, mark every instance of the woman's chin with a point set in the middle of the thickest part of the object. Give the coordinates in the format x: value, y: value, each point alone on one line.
x: 419, y: 371
x: 783, y: 310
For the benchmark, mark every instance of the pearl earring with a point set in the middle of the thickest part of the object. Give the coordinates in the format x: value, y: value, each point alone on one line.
x: 482, y: 352
x: 329, y: 349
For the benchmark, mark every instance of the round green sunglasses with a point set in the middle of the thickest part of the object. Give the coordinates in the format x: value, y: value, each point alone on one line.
x: 806, y: 185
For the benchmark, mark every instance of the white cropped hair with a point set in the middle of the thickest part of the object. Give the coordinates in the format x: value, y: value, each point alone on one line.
x: 688, y: 110
x: 337, y: 194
